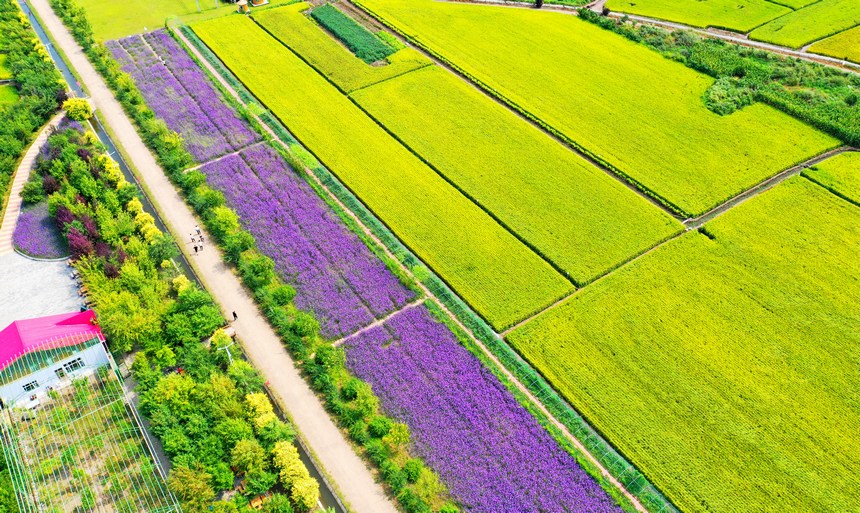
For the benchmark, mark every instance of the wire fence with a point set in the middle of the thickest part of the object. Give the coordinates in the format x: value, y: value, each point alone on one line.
x: 78, y: 444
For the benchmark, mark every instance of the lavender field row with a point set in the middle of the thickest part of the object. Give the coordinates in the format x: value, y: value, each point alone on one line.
x: 179, y: 94
x: 490, y: 451
x: 337, y: 277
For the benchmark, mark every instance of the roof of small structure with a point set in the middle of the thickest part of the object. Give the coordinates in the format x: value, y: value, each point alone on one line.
x: 29, y: 335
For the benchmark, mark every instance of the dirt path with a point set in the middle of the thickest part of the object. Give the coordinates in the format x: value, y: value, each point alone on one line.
x: 522, y: 388
x: 13, y: 208
x: 379, y: 322
x: 347, y: 472
x: 692, y: 224
x: 742, y: 39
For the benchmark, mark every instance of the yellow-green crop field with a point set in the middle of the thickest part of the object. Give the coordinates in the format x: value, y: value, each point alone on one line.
x: 579, y: 217
x: 841, y: 174
x: 5, y: 74
x: 624, y: 103
x: 305, y: 37
x: 725, y: 366
x: 739, y: 15
x: 8, y: 95
x: 813, y: 22
x: 845, y: 45
x: 499, y: 276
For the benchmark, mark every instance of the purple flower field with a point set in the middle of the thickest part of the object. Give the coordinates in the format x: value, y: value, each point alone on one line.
x: 179, y: 93
x: 335, y: 275
x: 488, y: 449
x: 36, y: 234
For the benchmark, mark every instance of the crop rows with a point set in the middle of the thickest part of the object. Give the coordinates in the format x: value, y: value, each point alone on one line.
x: 570, y: 211
x: 640, y: 113
x: 179, y: 94
x: 816, y: 21
x: 335, y: 274
x: 845, y: 45
x: 723, y: 364
x: 500, y: 277
x: 492, y: 454
x: 347, y: 71
x: 337, y: 277
x: 839, y: 174
x: 363, y: 43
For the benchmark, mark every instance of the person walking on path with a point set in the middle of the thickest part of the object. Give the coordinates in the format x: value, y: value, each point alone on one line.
x: 197, y: 228
x: 195, y: 249
x: 235, y: 317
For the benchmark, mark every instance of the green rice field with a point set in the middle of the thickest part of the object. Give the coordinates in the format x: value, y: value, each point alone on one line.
x: 725, y: 365
x: 625, y: 104
x: 335, y: 61
x: 739, y: 15
x: 5, y: 73
x: 841, y: 174
x: 844, y: 45
x: 814, y: 22
x: 498, y: 275
x: 578, y: 216
x: 8, y: 94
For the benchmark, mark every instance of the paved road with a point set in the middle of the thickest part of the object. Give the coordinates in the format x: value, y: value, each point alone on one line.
x: 13, y: 207
x: 348, y: 474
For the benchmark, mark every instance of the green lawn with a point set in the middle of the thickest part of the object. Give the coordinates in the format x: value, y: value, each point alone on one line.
x: 845, y: 45
x: 8, y: 95
x: 498, y: 275
x: 327, y: 55
x: 5, y: 73
x: 814, y: 22
x: 628, y: 105
x: 739, y: 15
x: 840, y: 174
x: 583, y: 220
x: 726, y: 369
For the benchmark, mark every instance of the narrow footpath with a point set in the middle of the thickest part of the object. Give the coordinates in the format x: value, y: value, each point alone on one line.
x: 348, y: 474
x: 22, y: 173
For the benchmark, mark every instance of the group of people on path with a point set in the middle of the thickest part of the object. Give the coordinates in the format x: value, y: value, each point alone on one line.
x: 197, y: 239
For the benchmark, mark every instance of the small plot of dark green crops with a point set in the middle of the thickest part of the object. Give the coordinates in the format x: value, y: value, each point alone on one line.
x: 363, y: 43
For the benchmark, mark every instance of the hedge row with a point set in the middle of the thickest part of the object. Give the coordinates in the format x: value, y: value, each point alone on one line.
x: 38, y: 84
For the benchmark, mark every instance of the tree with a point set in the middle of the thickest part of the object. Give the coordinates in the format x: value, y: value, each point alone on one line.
x: 260, y: 482
x: 305, y: 493
x: 286, y: 460
x: 276, y: 431
x: 192, y: 487
x: 248, y: 456
x: 78, y: 109
x: 260, y: 410
x: 278, y: 503
x: 246, y: 377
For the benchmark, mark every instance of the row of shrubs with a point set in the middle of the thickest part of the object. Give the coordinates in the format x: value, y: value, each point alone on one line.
x: 823, y: 96
x: 37, y: 81
x: 299, y: 330
x: 208, y: 408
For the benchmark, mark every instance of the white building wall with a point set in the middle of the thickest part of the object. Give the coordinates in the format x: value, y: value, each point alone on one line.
x: 93, y: 358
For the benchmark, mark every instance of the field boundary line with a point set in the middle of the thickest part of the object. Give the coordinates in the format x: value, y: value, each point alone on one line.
x: 222, y: 157
x: 763, y: 186
x: 557, y: 135
x: 380, y: 321
x: 456, y: 320
x: 599, y: 278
